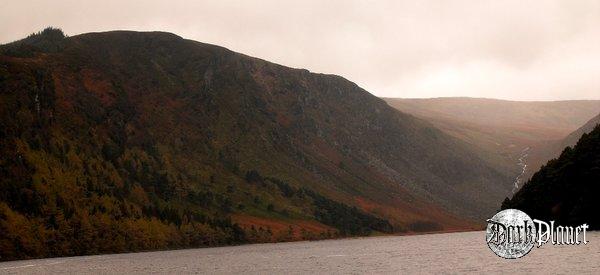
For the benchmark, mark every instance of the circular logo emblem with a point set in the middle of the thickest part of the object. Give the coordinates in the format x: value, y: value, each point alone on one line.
x: 510, y: 234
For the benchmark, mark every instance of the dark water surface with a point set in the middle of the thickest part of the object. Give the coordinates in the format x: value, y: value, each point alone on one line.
x: 435, y: 253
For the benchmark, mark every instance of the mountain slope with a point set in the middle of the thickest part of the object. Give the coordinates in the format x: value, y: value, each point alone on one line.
x: 150, y: 141
x: 552, y: 149
x: 573, y: 137
x: 565, y: 189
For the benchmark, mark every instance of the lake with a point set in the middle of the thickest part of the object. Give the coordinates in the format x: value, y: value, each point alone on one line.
x: 434, y: 253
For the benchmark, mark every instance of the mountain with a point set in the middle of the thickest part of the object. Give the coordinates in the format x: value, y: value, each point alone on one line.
x: 516, y: 136
x: 565, y: 189
x: 126, y: 141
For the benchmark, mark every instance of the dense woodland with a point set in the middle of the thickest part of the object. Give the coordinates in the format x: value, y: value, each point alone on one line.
x: 566, y: 189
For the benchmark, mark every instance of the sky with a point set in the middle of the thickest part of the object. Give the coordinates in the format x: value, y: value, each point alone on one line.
x: 516, y: 50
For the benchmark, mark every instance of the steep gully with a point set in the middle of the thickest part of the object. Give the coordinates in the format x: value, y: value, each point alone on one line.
x: 523, y: 165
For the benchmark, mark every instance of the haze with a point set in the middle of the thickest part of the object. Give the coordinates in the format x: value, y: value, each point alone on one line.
x: 518, y: 50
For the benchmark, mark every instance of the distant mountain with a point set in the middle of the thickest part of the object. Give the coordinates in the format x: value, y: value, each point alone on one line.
x: 531, y: 119
x: 126, y: 141
x: 566, y: 189
x: 509, y: 134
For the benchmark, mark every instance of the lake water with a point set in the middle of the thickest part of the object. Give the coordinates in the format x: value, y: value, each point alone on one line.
x: 434, y: 253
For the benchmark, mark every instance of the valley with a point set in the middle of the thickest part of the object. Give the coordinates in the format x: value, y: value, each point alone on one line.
x: 129, y: 141
x: 501, y: 130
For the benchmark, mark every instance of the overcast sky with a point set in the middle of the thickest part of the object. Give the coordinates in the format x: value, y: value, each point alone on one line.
x: 520, y: 50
